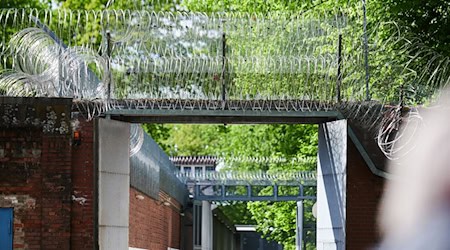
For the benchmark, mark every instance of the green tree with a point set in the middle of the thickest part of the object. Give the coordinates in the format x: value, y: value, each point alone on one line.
x: 25, y: 4
x: 426, y: 20
x: 8, y: 31
x: 160, y: 133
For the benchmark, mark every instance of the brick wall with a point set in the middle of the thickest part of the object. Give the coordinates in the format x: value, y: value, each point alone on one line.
x: 364, y: 191
x: 35, y: 181
x: 50, y: 182
x: 21, y: 184
x: 82, y: 217
x: 153, y: 224
x: 56, y: 191
x: 50, y: 185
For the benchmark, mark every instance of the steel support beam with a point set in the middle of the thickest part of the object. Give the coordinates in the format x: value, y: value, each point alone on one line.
x: 221, y: 116
x: 259, y: 198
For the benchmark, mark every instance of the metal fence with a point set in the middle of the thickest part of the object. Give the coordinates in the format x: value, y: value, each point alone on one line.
x: 131, y: 55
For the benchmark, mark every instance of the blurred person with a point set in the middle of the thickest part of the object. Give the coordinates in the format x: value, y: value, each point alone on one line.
x: 415, y: 210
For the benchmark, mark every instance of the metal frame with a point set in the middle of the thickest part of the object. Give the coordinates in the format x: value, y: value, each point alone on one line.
x: 227, y: 116
x: 202, y: 188
x: 200, y: 195
x: 213, y: 186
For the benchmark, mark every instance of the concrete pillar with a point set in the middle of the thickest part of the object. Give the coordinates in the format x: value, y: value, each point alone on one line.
x: 207, y: 226
x: 332, y: 185
x: 113, y: 165
x: 299, y: 227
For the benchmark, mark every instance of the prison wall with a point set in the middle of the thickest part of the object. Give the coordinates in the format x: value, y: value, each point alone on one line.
x: 154, y: 224
x: 364, y: 191
x: 35, y: 182
x: 48, y: 179
x: 36, y: 170
x: 157, y: 200
x: 83, y: 214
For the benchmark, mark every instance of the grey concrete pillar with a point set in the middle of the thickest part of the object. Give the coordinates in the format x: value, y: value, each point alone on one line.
x: 207, y: 226
x: 332, y: 185
x: 299, y: 227
x: 113, y: 163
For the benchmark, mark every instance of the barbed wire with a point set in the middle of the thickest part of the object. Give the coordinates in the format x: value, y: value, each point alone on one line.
x: 190, y: 56
x: 271, y: 61
x: 255, y: 176
x: 187, y: 160
x: 136, y: 138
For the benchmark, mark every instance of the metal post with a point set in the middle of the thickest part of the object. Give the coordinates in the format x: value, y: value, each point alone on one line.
x: 299, y: 226
x: 195, y: 225
x: 223, y: 74
x: 207, y: 226
x: 366, y: 51
x: 108, y: 54
x: 275, y: 191
x: 339, y: 72
x: 197, y: 191
x: 60, y: 73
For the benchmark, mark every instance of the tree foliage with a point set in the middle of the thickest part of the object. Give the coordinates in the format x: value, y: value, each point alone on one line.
x: 39, y: 4
x: 426, y: 20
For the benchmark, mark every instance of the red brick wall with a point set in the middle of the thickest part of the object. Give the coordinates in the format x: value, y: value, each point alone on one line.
x: 20, y: 184
x: 50, y: 185
x: 364, y: 191
x: 35, y: 181
x: 153, y: 225
x: 82, y: 219
x: 56, y: 191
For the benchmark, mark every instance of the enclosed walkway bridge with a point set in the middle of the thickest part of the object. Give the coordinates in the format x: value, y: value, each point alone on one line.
x: 251, y: 186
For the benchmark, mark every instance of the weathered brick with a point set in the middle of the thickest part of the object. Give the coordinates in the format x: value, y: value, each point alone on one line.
x: 152, y: 224
x: 50, y: 183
